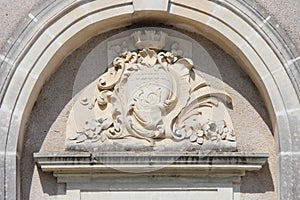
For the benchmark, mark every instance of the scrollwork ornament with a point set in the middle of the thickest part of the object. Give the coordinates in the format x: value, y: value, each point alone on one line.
x: 155, y: 96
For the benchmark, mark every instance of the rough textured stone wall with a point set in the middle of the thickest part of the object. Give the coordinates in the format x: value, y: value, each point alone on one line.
x: 286, y: 14
x: 14, y: 15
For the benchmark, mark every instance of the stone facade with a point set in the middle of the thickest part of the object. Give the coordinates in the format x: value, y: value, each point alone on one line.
x: 242, y: 90
x: 265, y: 115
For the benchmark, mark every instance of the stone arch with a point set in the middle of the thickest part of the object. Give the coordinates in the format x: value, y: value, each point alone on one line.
x: 237, y: 27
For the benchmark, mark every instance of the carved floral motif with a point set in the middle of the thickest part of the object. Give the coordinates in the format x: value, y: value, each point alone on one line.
x: 155, y: 96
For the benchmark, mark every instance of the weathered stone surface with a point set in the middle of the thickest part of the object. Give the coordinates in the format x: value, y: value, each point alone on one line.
x: 283, y: 19
x: 183, y: 163
x: 289, y: 175
x: 153, y: 96
x: 247, y: 103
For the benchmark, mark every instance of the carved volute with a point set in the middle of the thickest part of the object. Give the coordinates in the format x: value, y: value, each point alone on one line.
x: 150, y: 99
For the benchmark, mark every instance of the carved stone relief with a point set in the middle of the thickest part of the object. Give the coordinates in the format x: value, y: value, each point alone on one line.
x: 150, y: 39
x: 150, y: 99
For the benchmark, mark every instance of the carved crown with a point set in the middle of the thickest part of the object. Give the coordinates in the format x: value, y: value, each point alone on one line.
x: 149, y: 39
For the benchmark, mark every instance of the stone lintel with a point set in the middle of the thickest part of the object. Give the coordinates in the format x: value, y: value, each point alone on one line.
x: 131, y: 163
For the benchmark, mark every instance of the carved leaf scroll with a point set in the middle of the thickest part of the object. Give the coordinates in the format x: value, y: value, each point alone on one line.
x: 152, y: 97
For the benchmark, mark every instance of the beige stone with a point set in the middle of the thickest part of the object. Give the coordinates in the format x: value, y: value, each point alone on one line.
x: 27, y: 53
x: 144, y: 5
x: 151, y: 96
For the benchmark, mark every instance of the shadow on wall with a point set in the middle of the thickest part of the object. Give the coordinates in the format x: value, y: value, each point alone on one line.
x: 258, y: 182
x: 49, y: 107
x: 58, y: 92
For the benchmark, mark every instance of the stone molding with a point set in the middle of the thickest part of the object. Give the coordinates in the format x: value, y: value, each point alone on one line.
x: 150, y: 99
x: 166, y: 164
x: 236, y: 26
x: 94, y: 173
x: 173, y: 44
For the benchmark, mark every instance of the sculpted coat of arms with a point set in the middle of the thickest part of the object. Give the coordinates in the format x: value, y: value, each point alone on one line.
x: 150, y: 99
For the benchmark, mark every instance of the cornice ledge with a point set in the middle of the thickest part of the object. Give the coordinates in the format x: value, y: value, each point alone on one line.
x: 154, y: 163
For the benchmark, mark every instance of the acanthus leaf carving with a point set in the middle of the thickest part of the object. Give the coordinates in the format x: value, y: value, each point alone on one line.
x: 153, y: 97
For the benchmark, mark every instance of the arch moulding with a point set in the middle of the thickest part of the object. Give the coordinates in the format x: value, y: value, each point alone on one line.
x: 62, y: 26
